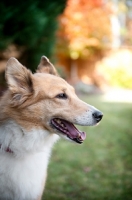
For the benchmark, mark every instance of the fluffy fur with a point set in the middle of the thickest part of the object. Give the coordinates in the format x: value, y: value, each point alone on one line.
x: 27, y: 131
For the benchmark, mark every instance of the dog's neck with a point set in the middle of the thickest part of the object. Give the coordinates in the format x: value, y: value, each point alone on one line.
x: 16, y: 140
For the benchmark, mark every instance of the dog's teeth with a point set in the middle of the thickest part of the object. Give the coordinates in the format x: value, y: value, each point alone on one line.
x: 64, y: 126
x: 79, y: 136
x: 58, y: 121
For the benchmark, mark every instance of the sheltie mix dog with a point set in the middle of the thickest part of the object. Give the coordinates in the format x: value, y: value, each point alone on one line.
x: 35, y: 111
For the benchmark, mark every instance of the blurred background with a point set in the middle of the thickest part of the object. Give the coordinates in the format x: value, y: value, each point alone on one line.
x: 90, y: 43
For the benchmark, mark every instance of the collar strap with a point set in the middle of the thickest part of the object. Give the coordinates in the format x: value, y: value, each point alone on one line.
x: 7, y: 149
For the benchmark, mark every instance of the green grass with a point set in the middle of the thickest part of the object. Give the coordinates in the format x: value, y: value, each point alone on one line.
x: 100, y: 168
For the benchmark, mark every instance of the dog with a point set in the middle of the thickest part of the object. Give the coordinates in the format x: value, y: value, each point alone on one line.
x: 35, y: 111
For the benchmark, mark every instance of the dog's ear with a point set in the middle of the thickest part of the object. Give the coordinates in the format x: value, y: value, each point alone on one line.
x: 19, y: 80
x: 46, y: 66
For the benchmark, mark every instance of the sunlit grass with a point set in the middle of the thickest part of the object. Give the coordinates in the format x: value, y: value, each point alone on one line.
x: 100, y: 168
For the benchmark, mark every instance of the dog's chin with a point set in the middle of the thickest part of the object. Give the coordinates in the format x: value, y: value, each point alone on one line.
x: 68, y: 130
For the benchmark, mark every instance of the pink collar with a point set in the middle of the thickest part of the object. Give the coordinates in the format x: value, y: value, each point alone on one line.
x: 7, y: 149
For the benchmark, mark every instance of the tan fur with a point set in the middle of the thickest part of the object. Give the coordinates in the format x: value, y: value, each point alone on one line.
x: 31, y: 103
x: 46, y: 66
x: 31, y: 93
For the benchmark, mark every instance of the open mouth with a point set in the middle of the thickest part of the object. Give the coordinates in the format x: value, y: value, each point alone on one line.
x: 69, y: 130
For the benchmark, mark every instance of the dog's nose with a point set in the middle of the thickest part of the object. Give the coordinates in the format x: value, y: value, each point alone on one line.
x: 98, y: 115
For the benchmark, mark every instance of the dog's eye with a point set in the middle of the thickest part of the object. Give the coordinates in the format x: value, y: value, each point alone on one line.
x: 62, y: 96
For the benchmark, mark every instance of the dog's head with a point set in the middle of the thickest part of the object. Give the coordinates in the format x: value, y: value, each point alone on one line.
x: 45, y: 100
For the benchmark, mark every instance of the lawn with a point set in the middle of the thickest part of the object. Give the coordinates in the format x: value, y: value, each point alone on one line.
x: 101, y: 167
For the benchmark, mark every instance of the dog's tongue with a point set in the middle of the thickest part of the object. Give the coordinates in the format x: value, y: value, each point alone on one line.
x: 74, y: 133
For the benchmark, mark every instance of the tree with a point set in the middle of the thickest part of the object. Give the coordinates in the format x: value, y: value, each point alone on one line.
x: 84, y: 28
x: 30, y: 25
x: 84, y: 35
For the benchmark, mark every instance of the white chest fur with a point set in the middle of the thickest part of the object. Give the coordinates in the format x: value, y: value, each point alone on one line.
x: 23, y: 172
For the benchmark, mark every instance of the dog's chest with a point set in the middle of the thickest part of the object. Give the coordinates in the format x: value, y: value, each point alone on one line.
x: 23, y: 170
x: 22, y: 178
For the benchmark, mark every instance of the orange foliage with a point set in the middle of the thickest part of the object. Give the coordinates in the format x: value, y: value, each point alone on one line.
x: 84, y: 28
